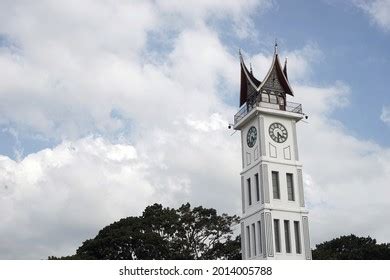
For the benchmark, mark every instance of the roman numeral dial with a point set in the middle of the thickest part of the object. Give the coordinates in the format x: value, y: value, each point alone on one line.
x: 278, y: 132
x: 251, y: 137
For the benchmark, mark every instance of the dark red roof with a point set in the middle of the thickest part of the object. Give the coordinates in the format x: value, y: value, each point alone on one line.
x: 281, y: 76
x: 250, y: 85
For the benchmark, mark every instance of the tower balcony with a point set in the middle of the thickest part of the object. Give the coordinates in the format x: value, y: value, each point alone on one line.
x: 248, y: 107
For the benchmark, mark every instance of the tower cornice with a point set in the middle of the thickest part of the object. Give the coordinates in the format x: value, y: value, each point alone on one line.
x: 240, y: 119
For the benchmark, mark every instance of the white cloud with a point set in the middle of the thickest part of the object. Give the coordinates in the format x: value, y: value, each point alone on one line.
x: 69, y: 67
x: 378, y: 10
x: 299, y: 62
x: 80, y: 61
x: 200, y: 11
x: 215, y: 122
x: 56, y: 198
x: 53, y: 200
x: 345, y: 177
x: 385, y: 114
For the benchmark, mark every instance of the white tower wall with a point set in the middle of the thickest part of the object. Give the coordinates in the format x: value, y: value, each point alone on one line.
x: 261, y: 211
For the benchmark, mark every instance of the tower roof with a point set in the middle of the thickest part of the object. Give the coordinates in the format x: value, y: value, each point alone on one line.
x: 276, y: 80
x: 285, y: 69
x: 248, y: 82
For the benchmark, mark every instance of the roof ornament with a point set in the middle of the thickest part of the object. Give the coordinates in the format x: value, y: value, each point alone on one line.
x: 276, y: 46
x: 250, y: 66
x: 285, y: 68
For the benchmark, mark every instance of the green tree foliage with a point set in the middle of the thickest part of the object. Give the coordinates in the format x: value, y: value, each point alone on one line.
x: 165, y: 233
x: 352, y: 247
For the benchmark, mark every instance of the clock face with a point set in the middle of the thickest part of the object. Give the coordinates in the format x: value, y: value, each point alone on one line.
x: 278, y: 132
x: 251, y: 136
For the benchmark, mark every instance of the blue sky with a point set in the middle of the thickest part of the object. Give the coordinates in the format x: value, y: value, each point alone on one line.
x: 106, y: 100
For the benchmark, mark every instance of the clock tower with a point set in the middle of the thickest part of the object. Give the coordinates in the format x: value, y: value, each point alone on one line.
x: 274, y: 223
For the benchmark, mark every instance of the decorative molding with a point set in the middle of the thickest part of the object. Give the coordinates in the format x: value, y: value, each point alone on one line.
x: 272, y: 151
x: 256, y: 152
x: 248, y: 158
x: 273, y: 208
x: 263, y: 238
x: 243, y: 194
x: 243, y: 245
x: 259, y: 135
x: 268, y: 229
x: 261, y: 185
x: 300, y: 188
x: 294, y: 132
x: 306, y: 238
x: 242, y: 146
x: 262, y: 136
x: 287, y: 153
x: 264, y: 182
x: 271, y: 161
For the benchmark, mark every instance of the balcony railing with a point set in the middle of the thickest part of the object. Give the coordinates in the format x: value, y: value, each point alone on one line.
x: 246, y: 108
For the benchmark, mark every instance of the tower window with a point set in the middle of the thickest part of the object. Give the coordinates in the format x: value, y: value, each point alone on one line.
x: 297, y: 237
x: 275, y: 184
x: 248, y: 235
x: 265, y: 97
x: 287, y: 235
x: 273, y: 99
x: 254, y: 238
x: 281, y: 100
x: 277, y: 235
x: 248, y: 183
x: 257, y: 186
x: 290, y: 187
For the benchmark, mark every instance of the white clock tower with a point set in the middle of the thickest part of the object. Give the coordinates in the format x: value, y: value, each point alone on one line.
x: 274, y: 223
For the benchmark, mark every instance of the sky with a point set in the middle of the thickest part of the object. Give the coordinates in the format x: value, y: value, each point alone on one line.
x: 108, y: 106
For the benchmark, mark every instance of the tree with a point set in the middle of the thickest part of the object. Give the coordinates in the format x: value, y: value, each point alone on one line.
x: 165, y: 233
x: 352, y: 247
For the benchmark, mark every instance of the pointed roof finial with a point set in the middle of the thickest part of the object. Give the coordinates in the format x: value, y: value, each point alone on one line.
x: 276, y: 46
x: 250, y: 66
x: 285, y: 68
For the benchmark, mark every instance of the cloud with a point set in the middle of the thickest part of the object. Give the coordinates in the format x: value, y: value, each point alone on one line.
x: 378, y: 10
x: 385, y: 115
x: 215, y: 122
x: 345, y: 177
x: 79, y: 62
x: 201, y: 11
x: 76, y: 69
x: 300, y: 62
x: 72, y: 190
x: 56, y: 198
